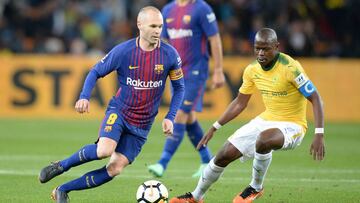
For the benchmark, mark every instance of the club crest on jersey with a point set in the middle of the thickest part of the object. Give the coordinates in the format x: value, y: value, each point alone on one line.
x: 186, y: 19
x: 108, y: 128
x: 159, y: 68
x: 169, y: 20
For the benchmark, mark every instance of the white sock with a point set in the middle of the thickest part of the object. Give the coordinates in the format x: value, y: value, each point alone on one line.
x: 210, y: 174
x: 261, y: 164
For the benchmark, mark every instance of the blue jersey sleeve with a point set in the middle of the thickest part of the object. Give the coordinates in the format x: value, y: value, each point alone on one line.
x: 177, y: 82
x: 106, y: 65
x: 208, y: 20
x: 89, y: 84
x: 164, y: 33
x: 109, y: 62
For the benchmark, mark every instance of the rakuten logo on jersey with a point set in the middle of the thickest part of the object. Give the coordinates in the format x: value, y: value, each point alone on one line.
x: 143, y: 85
x: 179, y: 33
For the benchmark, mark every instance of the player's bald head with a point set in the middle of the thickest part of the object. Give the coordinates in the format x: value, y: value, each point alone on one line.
x: 266, y: 35
x: 150, y: 23
x: 148, y: 12
x: 266, y: 46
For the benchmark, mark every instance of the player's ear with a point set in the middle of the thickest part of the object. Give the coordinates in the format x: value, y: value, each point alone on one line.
x: 277, y: 45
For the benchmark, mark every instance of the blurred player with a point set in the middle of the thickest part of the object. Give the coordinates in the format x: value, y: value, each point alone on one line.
x: 142, y: 65
x: 285, y: 89
x: 188, y: 26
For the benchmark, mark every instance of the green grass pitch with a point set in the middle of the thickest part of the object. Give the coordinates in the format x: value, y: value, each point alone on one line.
x: 28, y: 145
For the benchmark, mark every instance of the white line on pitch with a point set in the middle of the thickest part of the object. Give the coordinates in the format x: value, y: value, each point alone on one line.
x: 225, y: 179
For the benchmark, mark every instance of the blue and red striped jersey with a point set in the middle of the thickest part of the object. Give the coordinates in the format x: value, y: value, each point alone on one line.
x: 141, y: 76
x: 187, y: 28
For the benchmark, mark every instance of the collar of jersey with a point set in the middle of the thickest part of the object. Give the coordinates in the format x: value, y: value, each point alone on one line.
x: 272, y: 64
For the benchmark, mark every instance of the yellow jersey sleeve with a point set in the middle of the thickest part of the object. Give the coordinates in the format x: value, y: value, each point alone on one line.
x: 296, y: 75
x: 248, y: 85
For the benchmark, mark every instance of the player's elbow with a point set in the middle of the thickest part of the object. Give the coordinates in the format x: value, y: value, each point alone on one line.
x: 179, y: 89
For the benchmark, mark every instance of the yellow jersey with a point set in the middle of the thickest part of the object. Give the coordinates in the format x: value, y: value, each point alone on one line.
x: 280, y: 89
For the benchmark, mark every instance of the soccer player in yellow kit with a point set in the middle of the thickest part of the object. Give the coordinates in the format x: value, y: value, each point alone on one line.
x: 285, y: 89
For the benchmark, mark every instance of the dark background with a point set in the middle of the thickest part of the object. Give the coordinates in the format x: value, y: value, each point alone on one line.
x: 316, y: 28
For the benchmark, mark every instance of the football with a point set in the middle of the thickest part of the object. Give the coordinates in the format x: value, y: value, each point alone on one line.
x: 152, y: 191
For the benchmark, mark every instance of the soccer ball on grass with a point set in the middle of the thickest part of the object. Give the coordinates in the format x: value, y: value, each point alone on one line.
x: 152, y: 191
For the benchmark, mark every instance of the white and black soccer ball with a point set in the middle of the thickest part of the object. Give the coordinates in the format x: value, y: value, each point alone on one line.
x: 152, y: 191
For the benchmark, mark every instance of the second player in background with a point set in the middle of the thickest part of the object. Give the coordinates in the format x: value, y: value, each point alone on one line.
x: 189, y: 25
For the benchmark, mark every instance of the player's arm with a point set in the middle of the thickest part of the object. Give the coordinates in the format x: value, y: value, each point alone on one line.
x: 83, y: 105
x: 209, y: 26
x: 177, y: 82
x: 317, y: 148
x: 309, y: 91
x: 231, y: 112
x: 218, y: 79
x: 164, y: 34
x: 105, y: 66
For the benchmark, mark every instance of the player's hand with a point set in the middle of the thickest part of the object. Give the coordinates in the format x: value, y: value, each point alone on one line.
x: 82, y: 105
x: 317, y: 148
x: 168, y: 127
x: 206, y: 138
x: 218, y: 79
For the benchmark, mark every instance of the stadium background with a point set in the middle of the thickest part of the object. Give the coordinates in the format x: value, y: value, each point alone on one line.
x: 47, y: 47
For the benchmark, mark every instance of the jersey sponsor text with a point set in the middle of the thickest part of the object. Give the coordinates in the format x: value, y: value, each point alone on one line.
x: 179, y: 33
x: 143, y: 85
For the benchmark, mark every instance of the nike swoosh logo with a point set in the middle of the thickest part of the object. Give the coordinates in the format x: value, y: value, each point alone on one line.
x: 133, y: 67
x: 186, y: 102
x: 257, y: 170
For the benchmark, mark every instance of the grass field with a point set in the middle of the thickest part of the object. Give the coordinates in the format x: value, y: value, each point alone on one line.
x: 28, y: 145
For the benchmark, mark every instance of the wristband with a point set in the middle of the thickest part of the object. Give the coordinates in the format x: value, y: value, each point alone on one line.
x: 217, y: 125
x: 319, y: 130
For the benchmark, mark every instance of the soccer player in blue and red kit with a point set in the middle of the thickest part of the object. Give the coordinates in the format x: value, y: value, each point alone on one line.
x: 142, y: 65
x: 189, y: 26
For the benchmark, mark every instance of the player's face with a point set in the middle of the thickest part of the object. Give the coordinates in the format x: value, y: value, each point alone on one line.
x: 151, y: 27
x: 265, y: 51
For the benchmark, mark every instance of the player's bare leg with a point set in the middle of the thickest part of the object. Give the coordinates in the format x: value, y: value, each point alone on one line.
x: 267, y: 141
x: 211, y: 174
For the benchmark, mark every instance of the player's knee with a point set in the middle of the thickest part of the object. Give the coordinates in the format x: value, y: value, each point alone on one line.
x: 263, y: 145
x: 221, y: 161
x: 226, y: 155
x: 103, y: 152
x: 114, y: 169
x: 268, y: 140
x: 225, y: 159
x: 191, y: 118
x: 181, y: 116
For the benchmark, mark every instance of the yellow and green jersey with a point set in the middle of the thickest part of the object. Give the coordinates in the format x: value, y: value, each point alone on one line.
x: 283, y: 89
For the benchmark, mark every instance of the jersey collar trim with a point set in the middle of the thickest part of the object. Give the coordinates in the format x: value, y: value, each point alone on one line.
x: 138, y: 42
x: 272, y: 64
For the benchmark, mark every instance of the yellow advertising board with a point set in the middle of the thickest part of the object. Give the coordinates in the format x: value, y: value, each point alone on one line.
x: 35, y: 86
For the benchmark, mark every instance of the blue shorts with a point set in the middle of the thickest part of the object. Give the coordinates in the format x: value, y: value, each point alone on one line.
x: 130, y: 139
x: 193, y: 98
